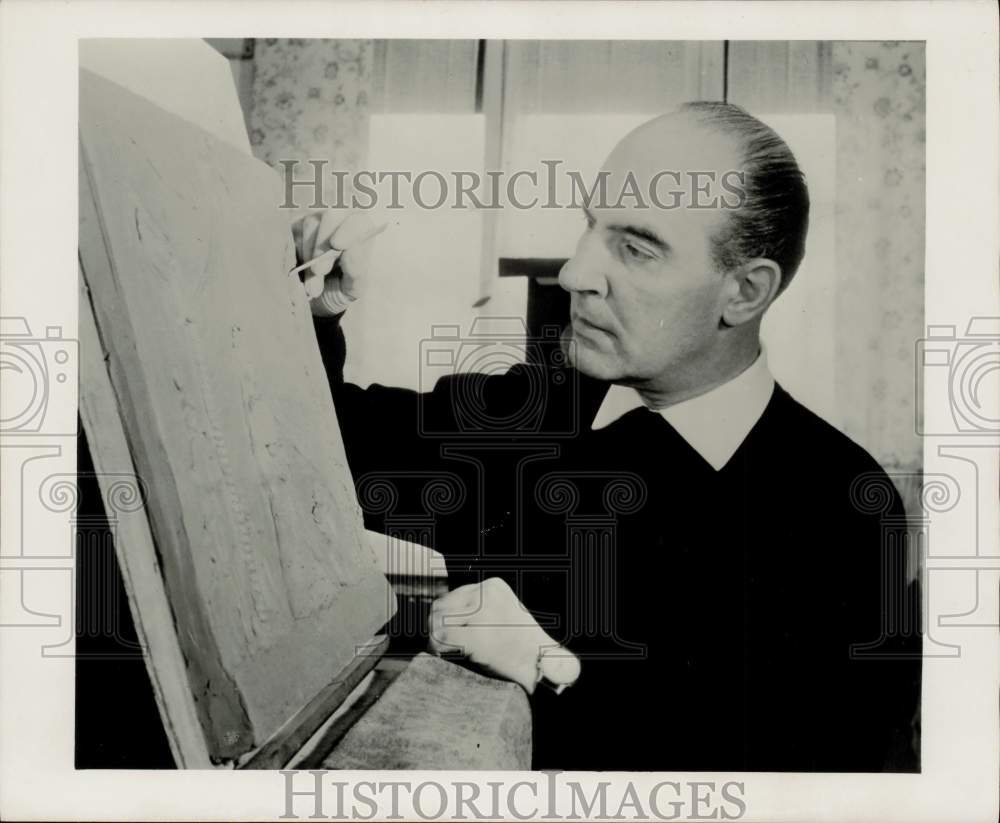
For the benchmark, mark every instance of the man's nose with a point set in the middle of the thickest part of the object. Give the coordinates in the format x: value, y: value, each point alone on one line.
x: 585, y: 270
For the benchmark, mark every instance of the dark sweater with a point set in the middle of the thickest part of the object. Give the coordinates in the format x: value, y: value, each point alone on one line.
x: 714, y: 611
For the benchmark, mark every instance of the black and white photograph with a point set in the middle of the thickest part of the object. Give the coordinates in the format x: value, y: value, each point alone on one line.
x: 531, y: 408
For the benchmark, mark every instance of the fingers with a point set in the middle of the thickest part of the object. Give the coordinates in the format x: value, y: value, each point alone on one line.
x: 328, y: 224
x: 356, y: 235
x: 313, y: 280
x: 355, y: 229
x: 308, y: 234
x: 560, y: 665
x: 486, y: 623
x: 442, y: 625
x: 461, y: 600
x: 354, y: 267
x: 328, y: 236
x: 448, y: 612
x: 313, y: 284
x: 304, y: 235
x: 509, y: 653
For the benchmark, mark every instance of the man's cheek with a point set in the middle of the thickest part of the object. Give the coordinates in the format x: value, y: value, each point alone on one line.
x: 598, y: 364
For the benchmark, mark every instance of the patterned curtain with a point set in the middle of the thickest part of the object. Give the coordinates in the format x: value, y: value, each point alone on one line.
x: 311, y: 100
x: 879, y: 96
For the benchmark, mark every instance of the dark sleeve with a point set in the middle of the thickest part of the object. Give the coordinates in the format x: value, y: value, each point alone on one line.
x: 885, y: 639
x: 395, y: 441
x: 380, y: 429
x: 867, y: 657
x: 332, y: 348
x: 832, y: 656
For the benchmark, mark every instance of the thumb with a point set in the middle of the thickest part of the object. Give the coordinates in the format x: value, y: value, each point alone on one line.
x: 559, y: 665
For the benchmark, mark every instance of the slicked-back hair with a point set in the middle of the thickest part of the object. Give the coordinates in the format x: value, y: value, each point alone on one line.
x: 773, y: 218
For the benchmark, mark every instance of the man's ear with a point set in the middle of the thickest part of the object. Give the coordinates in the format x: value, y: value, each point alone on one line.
x: 755, y: 285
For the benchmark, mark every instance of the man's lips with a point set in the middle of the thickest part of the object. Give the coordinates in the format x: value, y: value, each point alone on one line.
x: 586, y: 326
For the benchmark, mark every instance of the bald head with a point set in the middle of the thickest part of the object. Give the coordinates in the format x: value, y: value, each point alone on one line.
x: 772, y: 218
x: 676, y: 140
x: 668, y: 295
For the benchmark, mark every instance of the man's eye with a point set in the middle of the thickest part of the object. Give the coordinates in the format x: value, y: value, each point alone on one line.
x: 636, y: 253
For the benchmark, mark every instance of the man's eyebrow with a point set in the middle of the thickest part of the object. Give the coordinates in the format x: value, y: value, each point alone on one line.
x: 648, y: 235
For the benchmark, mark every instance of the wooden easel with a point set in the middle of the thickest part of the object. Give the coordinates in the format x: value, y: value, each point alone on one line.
x: 215, y: 710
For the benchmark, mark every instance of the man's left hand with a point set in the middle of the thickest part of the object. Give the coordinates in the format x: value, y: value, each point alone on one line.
x: 488, y: 625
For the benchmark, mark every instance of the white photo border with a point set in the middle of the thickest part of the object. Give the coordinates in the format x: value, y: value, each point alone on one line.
x: 38, y: 259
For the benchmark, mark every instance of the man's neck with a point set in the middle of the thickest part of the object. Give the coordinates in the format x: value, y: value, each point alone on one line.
x: 661, y: 393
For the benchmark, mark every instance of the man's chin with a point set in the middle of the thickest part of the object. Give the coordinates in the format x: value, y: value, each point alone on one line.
x: 589, y: 360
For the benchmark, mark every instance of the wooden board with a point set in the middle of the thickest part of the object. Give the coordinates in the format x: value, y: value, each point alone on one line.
x: 165, y: 70
x: 136, y: 553
x: 225, y: 407
x: 293, y: 735
x: 438, y: 715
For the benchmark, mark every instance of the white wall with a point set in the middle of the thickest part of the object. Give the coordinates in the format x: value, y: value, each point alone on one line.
x: 426, y: 265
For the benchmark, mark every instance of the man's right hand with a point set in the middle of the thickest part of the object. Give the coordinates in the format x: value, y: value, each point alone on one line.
x: 337, y: 280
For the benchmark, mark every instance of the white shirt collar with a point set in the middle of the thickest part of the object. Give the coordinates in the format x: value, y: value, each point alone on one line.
x: 714, y: 423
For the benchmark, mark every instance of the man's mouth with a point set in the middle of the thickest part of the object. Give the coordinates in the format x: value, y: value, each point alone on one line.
x: 587, y: 328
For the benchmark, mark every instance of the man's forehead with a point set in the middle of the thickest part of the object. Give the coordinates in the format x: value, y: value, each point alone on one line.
x: 681, y: 230
x: 673, y: 142
x: 672, y: 163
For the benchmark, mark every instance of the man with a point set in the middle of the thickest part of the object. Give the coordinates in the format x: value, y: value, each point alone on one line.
x: 671, y: 535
